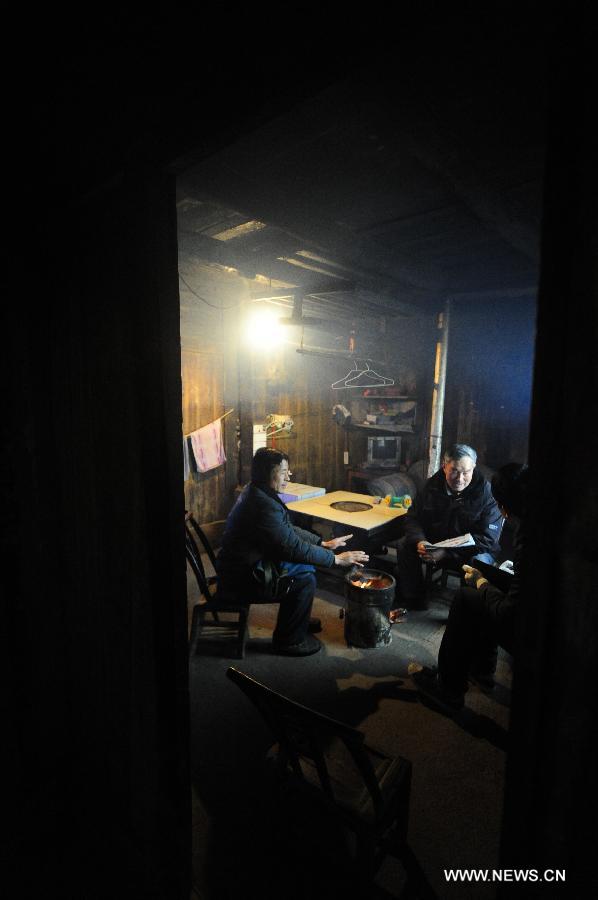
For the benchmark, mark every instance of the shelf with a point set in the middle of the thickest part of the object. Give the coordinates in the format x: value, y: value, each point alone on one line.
x: 387, y: 415
x: 386, y: 397
x: 389, y: 428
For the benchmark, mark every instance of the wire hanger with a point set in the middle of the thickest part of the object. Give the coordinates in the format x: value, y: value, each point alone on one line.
x: 342, y: 382
x: 364, y: 377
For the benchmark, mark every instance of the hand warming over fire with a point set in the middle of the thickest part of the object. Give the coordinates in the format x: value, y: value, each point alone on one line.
x: 351, y: 558
x: 337, y: 542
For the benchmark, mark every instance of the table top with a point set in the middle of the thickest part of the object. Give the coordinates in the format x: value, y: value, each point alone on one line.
x: 366, y: 520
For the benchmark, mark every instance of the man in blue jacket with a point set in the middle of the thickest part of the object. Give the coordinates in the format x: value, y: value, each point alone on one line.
x: 265, y: 556
x: 457, y: 500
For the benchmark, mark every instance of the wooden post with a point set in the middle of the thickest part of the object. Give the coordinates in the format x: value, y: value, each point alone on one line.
x: 232, y: 398
x: 438, y: 391
x: 246, y: 381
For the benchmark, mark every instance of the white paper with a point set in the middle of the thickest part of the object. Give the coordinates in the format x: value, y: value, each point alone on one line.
x: 465, y: 540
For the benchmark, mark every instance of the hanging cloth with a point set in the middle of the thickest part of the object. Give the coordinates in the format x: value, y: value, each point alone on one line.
x: 207, y: 447
x: 186, y: 460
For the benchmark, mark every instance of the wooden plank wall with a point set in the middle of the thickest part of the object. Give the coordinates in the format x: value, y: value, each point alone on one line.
x: 220, y: 372
x: 210, y: 378
x: 203, y: 401
x: 285, y: 382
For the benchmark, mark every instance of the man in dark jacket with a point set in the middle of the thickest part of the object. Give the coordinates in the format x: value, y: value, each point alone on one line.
x: 265, y: 556
x: 482, y: 614
x: 457, y: 500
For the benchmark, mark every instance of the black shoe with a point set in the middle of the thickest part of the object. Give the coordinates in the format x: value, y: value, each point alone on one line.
x: 429, y: 684
x: 305, y: 647
x: 315, y: 626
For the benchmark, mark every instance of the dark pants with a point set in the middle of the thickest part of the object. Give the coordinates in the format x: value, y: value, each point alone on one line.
x: 473, y: 632
x: 296, y: 603
x: 410, y: 590
x: 295, y: 597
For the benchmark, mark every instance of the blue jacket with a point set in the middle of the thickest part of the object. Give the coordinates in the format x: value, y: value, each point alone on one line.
x: 259, y: 528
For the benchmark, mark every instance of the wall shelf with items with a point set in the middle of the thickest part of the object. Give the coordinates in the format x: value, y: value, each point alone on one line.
x: 384, y: 412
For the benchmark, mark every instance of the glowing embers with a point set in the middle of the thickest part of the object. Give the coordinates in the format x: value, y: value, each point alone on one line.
x: 371, y: 581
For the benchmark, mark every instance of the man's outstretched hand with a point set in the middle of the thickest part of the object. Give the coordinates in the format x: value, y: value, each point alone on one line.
x: 351, y: 558
x: 337, y: 542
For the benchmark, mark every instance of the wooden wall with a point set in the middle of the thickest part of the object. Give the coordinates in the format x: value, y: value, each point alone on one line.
x: 210, y: 377
x: 288, y: 383
x: 203, y: 401
x: 221, y: 372
x: 489, y: 374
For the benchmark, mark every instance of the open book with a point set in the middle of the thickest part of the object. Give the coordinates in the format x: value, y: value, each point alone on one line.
x: 500, y: 576
x: 464, y: 540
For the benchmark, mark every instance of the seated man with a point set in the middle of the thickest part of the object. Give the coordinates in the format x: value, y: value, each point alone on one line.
x: 260, y: 544
x: 482, y: 615
x: 456, y: 500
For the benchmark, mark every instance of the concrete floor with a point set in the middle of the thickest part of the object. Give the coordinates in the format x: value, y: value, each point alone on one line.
x: 458, y: 765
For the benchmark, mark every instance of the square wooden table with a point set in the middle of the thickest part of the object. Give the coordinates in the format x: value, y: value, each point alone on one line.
x: 376, y: 521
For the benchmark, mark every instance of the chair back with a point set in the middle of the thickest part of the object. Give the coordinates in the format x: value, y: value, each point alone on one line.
x: 395, y: 484
x: 213, y: 602
x: 366, y: 789
x: 194, y: 559
x: 196, y: 533
x: 304, y: 734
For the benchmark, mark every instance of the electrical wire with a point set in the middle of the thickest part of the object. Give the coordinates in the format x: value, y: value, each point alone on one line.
x: 203, y: 299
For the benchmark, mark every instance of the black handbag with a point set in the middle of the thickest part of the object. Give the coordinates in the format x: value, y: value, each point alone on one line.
x: 275, y: 584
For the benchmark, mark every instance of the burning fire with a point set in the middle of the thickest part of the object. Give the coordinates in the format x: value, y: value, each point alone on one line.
x: 375, y: 583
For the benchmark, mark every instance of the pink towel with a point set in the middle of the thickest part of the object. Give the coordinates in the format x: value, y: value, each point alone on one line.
x: 207, y: 446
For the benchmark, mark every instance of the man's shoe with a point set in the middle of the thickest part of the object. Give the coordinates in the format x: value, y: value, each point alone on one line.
x: 315, y: 626
x: 306, y: 647
x: 429, y: 684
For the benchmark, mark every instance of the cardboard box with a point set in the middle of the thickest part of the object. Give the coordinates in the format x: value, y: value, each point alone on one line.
x: 297, y: 491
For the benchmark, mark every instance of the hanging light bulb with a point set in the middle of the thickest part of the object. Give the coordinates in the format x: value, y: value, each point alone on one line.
x: 264, y: 329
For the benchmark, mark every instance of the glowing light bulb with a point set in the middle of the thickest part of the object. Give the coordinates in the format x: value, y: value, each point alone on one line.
x: 264, y: 330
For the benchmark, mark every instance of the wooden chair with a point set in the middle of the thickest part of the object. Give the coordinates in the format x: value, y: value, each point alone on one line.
x: 363, y: 789
x: 438, y: 576
x: 229, y: 615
